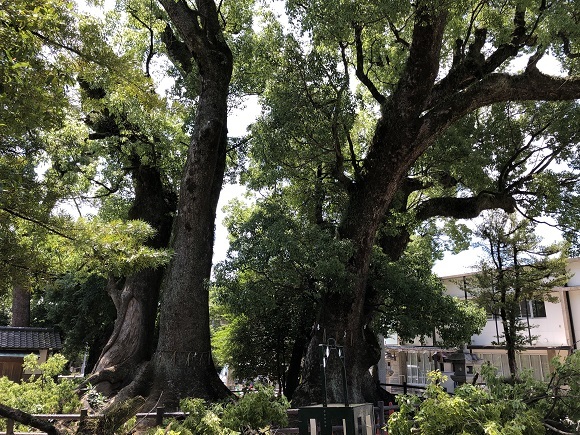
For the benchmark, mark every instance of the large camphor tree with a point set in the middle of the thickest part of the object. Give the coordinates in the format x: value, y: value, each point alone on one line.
x: 427, y: 73
x: 382, y: 112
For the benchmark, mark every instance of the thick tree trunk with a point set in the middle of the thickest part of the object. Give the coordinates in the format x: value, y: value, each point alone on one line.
x: 20, y: 305
x: 344, y: 320
x: 183, y: 364
x: 292, y: 377
x: 136, y: 297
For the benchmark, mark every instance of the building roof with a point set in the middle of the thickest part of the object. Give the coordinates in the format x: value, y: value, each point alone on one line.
x: 18, y: 338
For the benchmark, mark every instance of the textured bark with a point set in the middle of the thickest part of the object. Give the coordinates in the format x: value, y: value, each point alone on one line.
x: 20, y: 306
x: 183, y: 365
x: 136, y: 298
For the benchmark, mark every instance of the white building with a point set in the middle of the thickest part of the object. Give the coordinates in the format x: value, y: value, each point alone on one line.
x: 556, y: 327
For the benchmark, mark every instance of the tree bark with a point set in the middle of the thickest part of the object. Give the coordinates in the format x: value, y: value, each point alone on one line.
x: 20, y: 305
x: 136, y: 299
x: 510, y: 336
x: 183, y: 364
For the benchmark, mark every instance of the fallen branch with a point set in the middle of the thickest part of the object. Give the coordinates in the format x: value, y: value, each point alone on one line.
x: 27, y: 419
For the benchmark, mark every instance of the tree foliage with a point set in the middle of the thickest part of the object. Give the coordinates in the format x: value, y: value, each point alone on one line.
x: 280, y: 266
x: 255, y: 412
x: 40, y: 393
x: 81, y: 310
x: 516, y: 270
x: 525, y: 407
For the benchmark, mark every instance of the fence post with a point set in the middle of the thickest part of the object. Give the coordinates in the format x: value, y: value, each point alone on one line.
x: 159, y: 416
x: 84, y: 413
x: 405, y: 387
x: 381, y: 417
x: 9, y: 426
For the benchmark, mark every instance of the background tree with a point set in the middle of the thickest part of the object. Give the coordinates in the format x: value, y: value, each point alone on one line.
x: 83, y: 313
x: 280, y: 264
x: 515, y: 274
x: 402, y: 146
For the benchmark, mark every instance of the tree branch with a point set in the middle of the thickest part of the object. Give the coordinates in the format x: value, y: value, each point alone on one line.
x: 177, y: 50
x: 474, y: 66
x: 28, y: 419
x: 186, y: 21
x: 151, y: 50
x: 37, y: 222
x: 412, y: 93
x: 465, y: 208
x: 496, y: 88
x: 360, y: 73
x: 566, y: 45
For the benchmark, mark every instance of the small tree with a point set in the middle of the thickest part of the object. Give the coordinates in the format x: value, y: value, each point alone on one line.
x: 517, y: 272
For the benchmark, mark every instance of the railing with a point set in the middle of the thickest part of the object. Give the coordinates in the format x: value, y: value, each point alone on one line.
x: 405, y: 386
x: 158, y: 415
x: 382, y: 412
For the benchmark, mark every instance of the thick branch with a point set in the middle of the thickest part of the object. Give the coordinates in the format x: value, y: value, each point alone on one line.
x: 465, y: 208
x: 186, y: 21
x: 497, y: 88
x: 422, y: 65
x: 360, y: 73
x: 28, y: 419
x: 474, y: 66
x: 177, y: 50
x: 566, y: 45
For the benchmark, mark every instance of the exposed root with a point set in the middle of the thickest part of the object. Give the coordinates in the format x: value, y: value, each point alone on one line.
x: 113, y: 418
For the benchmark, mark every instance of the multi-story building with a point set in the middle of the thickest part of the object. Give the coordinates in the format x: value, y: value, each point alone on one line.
x: 553, y: 328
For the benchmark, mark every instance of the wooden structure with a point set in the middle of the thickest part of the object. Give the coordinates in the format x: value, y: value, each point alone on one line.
x: 17, y: 342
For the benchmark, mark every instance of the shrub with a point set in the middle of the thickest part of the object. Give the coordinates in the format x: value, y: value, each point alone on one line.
x: 256, y: 410
x: 40, y: 394
x: 253, y: 413
x: 521, y: 407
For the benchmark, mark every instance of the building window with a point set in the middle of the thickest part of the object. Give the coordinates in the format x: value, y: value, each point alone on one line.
x: 538, y: 365
x: 532, y: 308
x: 538, y: 308
x: 418, y: 365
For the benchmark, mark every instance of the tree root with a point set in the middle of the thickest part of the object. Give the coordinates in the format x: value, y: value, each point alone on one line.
x: 113, y: 418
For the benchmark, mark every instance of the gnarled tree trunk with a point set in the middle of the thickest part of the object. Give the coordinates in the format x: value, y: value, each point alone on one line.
x: 136, y: 297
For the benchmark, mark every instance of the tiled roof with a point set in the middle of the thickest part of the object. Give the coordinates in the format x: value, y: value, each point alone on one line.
x: 13, y: 338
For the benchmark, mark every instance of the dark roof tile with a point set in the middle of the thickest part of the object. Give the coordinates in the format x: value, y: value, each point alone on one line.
x: 12, y: 338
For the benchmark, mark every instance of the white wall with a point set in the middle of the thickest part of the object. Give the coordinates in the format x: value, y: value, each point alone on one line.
x: 550, y: 329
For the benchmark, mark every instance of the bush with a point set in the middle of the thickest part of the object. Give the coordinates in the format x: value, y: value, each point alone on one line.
x: 523, y: 407
x: 255, y: 412
x: 40, y: 394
